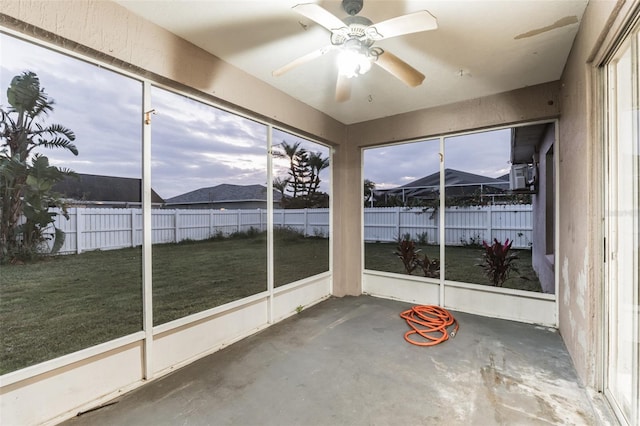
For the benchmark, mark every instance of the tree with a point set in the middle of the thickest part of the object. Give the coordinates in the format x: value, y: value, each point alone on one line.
x: 281, y: 184
x: 26, y: 178
x: 292, y: 152
x: 368, y: 189
x: 300, y: 174
x: 317, y: 163
x: 303, y: 181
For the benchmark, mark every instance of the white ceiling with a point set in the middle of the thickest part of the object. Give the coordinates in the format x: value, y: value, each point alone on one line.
x: 480, y: 47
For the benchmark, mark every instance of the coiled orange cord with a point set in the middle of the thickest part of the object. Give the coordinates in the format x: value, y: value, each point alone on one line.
x: 431, y: 323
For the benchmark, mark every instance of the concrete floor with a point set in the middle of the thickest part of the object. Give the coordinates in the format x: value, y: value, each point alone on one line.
x: 345, y: 362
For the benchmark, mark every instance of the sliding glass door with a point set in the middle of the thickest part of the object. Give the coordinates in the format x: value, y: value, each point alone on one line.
x: 621, y: 368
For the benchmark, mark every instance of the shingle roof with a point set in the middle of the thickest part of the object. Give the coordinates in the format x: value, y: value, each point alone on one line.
x: 224, y: 193
x: 453, y: 177
x: 86, y: 187
x: 464, y: 181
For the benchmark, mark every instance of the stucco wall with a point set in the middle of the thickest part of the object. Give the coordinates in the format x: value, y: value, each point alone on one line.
x: 530, y: 103
x: 580, y: 232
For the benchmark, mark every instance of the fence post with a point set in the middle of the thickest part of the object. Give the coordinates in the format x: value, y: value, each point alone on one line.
x: 398, y: 222
x: 79, y: 226
x: 306, y: 222
x: 239, y: 220
x: 489, y: 222
x: 176, y: 229
x: 133, y: 227
x: 211, y: 223
x: 436, y: 219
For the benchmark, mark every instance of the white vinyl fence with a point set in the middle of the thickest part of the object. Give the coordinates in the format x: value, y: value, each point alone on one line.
x: 106, y: 229
x: 463, y: 225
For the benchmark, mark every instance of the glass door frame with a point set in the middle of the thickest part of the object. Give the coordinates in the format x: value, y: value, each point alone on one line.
x: 631, y: 414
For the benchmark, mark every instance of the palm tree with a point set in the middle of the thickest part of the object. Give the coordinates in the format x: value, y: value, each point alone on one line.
x: 21, y: 183
x: 317, y: 164
x: 280, y: 184
x: 293, y: 152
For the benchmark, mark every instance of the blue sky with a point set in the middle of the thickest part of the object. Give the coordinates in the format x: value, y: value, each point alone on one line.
x: 195, y: 145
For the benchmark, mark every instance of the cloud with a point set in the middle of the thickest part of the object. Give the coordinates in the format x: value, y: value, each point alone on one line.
x: 196, y: 145
x: 193, y: 144
x: 485, y: 153
x: 396, y: 165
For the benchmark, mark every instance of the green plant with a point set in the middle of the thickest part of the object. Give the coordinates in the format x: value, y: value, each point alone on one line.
x: 26, y: 178
x: 318, y: 233
x: 498, y: 262
x: 251, y: 233
x: 473, y: 241
x: 423, y: 238
x: 299, y: 309
x: 408, y: 254
x: 287, y: 234
x: 462, y: 265
x: 430, y: 267
x: 218, y: 235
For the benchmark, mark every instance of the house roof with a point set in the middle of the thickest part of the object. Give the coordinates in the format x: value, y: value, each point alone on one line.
x: 452, y: 178
x: 224, y: 193
x: 455, y: 177
x: 87, y: 187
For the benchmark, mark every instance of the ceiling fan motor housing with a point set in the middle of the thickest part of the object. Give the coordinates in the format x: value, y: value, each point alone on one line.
x: 356, y: 28
x: 352, y: 7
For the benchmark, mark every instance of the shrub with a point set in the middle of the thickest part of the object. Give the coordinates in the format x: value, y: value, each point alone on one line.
x: 498, y: 262
x: 287, y: 234
x: 408, y: 254
x: 430, y: 267
x: 423, y: 238
x: 473, y: 241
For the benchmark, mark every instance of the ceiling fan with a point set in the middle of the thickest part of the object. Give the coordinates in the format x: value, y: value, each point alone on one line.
x: 354, y: 39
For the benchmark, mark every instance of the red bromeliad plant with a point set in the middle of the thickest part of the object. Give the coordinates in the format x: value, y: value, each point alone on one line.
x: 408, y: 254
x: 498, y: 262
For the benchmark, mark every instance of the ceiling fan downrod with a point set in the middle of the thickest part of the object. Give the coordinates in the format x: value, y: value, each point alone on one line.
x: 352, y: 7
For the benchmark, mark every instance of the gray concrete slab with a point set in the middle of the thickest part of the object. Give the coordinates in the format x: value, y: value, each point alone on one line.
x: 345, y: 362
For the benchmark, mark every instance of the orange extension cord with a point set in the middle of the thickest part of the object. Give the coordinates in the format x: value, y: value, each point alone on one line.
x: 431, y: 323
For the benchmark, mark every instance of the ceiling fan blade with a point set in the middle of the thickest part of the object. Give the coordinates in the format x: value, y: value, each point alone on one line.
x: 302, y: 60
x: 320, y: 15
x: 343, y: 88
x: 400, y: 69
x: 401, y: 25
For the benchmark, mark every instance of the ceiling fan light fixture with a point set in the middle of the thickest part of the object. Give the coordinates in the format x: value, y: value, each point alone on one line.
x: 352, y: 62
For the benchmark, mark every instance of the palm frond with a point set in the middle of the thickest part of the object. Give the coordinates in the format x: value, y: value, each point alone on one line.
x: 60, y: 129
x: 58, y: 143
x: 58, y: 240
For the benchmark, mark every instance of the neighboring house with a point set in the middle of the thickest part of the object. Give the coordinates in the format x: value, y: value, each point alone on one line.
x: 225, y: 196
x: 457, y: 184
x: 534, y: 145
x: 85, y: 190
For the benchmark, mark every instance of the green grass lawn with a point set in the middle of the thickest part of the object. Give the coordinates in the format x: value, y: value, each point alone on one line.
x: 66, y: 303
